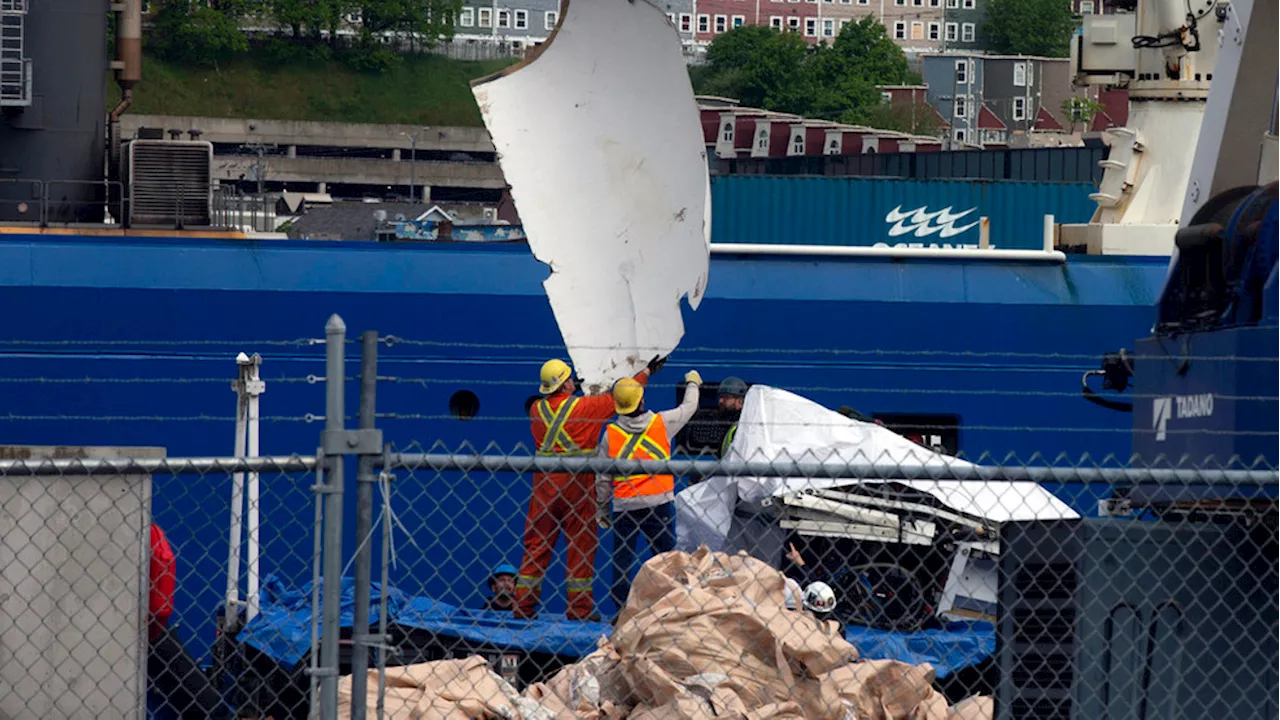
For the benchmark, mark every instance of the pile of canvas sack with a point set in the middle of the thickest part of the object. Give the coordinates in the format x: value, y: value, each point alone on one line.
x: 703, y: 635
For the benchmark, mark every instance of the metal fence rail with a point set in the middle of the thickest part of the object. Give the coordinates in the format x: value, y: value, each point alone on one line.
x: 503, y: 583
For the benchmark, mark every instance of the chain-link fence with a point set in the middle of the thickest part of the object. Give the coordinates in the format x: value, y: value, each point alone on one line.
x: 773, y: 559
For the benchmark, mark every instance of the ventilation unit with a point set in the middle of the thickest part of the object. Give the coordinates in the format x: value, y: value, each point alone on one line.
x: 169, y: 182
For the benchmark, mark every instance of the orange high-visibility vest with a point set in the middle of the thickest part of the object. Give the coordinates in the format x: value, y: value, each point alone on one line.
x: 652, y: 444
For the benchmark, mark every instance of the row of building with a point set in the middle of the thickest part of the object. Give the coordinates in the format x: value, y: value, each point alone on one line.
x: 918, y: 26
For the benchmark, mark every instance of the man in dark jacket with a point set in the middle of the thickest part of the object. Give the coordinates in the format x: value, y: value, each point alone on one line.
x: 171, y: 670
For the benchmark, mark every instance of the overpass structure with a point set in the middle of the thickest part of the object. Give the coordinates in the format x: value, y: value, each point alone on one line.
x: 351, y: 159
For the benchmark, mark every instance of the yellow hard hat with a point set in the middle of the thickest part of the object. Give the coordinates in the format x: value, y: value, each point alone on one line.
x: 627, y: 394
x: 554, y: 374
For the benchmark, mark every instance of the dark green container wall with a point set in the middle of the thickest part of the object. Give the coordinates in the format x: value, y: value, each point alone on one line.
x: 857, y: 211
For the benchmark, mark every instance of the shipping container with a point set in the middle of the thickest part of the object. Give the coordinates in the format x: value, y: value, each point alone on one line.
x: 869, y: 212
x: 1058, y: 165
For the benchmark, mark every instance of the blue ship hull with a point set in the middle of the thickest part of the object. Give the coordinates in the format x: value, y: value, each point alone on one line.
x: 1001, y: 346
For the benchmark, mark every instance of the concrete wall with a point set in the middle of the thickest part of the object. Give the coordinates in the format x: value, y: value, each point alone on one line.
x: 361, y: 172
x: 300, y: 132
x: 73, y: 583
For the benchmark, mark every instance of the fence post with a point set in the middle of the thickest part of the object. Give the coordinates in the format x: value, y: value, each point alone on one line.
x: 365, y: 479
x: 335, y: 383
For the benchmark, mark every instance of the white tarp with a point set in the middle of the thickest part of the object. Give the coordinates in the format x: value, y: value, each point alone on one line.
x: 600, y: 138
x: 779, y: 425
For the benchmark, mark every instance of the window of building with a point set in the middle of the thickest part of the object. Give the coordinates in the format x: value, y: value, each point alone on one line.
x: 467, y: 18
x: 993, y: 137
x: 1020, y: 74
x: 917, y: 3
x: 671, y: 18
x: 953, y: 3
x: 551, y: 17
x: 864, y: 2
x: 704, y: 23
x: 833, y: 146
x: 843, y: 22
x: 1019, y: 108
x: 966, y: 32
x: 793, y: 23
x: 484, y: 17
x: 762, y: 139
x: 968, y: 4
x: 953, y: 32
x: 726, y: 133
x: 917, y: 31
x: 828, y: 28
x: 722, y: 24
x: 886, y: 97
x: 504, y: 18
x: 935, y: 3
x: 775, y: 22
x: 899, y: 2
x: 962, y: 72
x: 899, y: 30
x: 1086, y: 7
x: 797, y: 144
x: 739, y: 20
x: 811, y: 27
x: 961, y: 135
x: 960, y: 107
x: 935, y: 31
x: 522, y: 19
x: 686, y: 22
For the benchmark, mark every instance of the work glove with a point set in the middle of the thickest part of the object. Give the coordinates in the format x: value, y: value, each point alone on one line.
x: 604, y: 519
x: 656, y: 363
x: 693, y: 377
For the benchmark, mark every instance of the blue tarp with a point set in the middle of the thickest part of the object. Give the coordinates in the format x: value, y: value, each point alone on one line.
x: 948, y: 649
x: 548, y: 634
x: 282, y: 630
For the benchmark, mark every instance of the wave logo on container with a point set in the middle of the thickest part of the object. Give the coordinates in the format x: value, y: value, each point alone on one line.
x: 923, y: 223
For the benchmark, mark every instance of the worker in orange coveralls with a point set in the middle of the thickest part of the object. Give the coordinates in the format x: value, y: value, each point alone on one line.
x: 565, y: 424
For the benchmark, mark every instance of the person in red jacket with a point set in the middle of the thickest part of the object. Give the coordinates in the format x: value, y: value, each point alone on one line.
x: 172, y: 671
x: 564, y: 424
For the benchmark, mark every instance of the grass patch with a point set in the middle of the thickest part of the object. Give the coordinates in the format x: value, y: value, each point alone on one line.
x: 421, y: 90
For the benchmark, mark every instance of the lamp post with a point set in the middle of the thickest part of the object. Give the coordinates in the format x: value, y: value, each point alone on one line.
x: 413, y: 161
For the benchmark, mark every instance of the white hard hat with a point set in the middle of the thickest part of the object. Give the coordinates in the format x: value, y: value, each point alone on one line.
x: 793, y: 593
x: 819, y: 597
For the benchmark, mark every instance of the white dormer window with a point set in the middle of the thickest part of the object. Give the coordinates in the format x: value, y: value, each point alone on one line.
x: 726, y: 133
x: 1020, y: 74
x: 762, y: 139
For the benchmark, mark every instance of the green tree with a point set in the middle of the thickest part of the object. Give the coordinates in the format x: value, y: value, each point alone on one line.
x: 867, y: 49
x: 195, y: 34
x: 775, y: 70
x: 1080, y: 110
x: 759, y: 66
x: 918, y: 119
x: 310, y: 17
x: 846, y: 74
x: 1030, y: 27
x: 415, y: 21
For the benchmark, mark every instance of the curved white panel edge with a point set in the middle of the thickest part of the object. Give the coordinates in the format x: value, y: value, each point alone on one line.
x: 601, y: 141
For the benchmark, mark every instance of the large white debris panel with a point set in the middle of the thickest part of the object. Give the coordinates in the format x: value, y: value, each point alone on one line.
x: 599, y: 136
